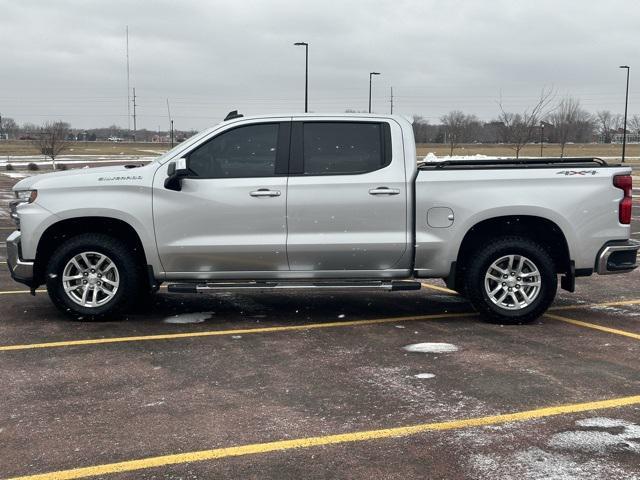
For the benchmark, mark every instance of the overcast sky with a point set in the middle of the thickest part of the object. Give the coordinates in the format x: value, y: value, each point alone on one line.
x: 65, y: 59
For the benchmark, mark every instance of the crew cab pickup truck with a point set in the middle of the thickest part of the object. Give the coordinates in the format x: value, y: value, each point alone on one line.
x: 320, y: 201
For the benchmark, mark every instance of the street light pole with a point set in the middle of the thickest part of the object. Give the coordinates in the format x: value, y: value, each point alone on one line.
x: 626, y: 103
x: 541, y: 137
x: 371, y: 74
x: 306, y: 73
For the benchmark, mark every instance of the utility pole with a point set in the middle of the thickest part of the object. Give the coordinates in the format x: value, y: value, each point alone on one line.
x: 306, y: 73
x: 134, y: 114
x: 541, y: 137
x: 371, y: 74
x: 170, y: 123
x: 128, y: 87
x: 1, y: 137
x: 626, y: 103
x: 391, y: 101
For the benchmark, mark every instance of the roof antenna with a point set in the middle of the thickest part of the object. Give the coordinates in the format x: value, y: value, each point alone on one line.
x: 233, y: 114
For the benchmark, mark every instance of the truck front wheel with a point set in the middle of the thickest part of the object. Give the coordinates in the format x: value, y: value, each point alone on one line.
x: 93, y: 277
x: 512, y: 280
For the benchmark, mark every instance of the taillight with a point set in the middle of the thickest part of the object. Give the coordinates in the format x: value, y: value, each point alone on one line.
x: 624, y: 183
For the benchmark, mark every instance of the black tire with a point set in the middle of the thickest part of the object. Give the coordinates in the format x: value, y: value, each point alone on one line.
x: 485, y: 256
x: 129, y: 273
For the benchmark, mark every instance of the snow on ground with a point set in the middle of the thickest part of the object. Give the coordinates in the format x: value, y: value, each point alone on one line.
x: 432, y: 157
x: 604, y: 435
x: 195, y: 317
x: 424, y: 375
x: 582, y: 453
x: 430, y: 348
x: 537, y: 464
x: 72, y: 159
x: 15, y: 174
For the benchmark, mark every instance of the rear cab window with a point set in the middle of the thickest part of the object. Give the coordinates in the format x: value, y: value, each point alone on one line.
x: 340, y: 147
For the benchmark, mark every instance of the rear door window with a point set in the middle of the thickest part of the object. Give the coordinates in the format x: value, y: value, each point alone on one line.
x: 343, y: 148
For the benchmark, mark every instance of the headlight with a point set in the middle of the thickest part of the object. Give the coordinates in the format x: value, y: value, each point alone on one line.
x: 26, y: 196
x: 22, y: 196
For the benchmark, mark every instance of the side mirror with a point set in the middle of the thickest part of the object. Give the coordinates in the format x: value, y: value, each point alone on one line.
x: 175, y: 172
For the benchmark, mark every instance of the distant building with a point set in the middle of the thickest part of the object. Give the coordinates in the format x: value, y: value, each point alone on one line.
x: 631, y: 138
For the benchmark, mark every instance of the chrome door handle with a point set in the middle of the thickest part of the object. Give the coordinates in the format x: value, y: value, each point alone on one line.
x: 384, y: 191
x: 265, y: 192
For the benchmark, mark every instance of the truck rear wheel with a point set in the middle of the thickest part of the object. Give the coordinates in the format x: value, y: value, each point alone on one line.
x: 93, y: 277
x: 511, y: 281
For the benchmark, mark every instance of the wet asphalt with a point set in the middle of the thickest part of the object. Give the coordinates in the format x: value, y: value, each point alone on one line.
x: 75, y: 405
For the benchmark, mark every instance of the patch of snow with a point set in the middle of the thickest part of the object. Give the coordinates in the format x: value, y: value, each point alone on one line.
x: 615, y: 310
x: 15, y: 174
x: 424, y: 375
x: 593, y: 442
x: 23, y: 160
x: 430, y: 348
x: 341, y: 315
x: 196, y: 317
x: 605, y: 435
x: 538, y: 464
x: 603, y: 422
x: 432, y: 157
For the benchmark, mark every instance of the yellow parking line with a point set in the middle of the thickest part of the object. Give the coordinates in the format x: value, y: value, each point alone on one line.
x: 246, y: 331
x: 14, y: 292
x: 310, y: 442
x: 436, y: 287
x: 594, y: 326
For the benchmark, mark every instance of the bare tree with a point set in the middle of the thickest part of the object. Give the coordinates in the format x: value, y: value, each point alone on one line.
x: 634, y: 124
x: 518, y: 129
x: 52, y: 140
x: 566, y: 120
x: 8, y: 127
x: 459, y: 128
x: 608, y: 124
x: 422, y: 130
x: 604, y: 120
x: 453, y: 123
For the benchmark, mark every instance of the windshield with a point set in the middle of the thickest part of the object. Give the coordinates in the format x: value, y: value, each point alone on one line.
x: 184, y: 145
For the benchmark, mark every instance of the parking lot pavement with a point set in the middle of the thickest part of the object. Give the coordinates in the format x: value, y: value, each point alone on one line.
x: 320, y: 385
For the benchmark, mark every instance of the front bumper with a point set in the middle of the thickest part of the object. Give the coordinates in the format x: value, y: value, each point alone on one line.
x: 21, y: 270
x: 618, y: 257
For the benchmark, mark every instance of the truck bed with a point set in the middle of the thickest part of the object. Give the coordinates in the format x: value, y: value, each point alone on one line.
x: 575, y: 194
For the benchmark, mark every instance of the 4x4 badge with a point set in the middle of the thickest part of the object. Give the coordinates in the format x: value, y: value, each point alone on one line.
x: 576, y: 172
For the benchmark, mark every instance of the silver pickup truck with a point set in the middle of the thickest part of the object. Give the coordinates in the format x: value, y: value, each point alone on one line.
x: 325, y: 202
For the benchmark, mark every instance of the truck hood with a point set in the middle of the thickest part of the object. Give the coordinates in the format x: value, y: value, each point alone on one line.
x: 32, y: 182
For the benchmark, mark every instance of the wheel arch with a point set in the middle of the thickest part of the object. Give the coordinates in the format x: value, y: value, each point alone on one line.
x: 70, y: 227
x: 539, y: 229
